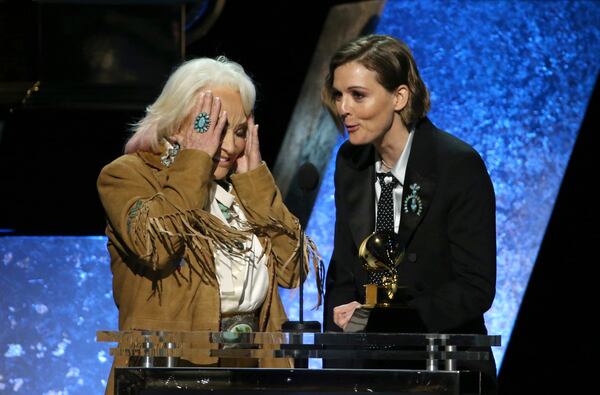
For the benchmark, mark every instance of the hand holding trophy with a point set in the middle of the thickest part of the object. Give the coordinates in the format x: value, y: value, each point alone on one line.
x: 381, y: 253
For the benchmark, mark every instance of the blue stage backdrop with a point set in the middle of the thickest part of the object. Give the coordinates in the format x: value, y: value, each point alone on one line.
x: 511, y: 78
x: 56, y: 293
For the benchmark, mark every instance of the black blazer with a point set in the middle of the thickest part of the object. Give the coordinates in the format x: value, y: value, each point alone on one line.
x: 450, y: 262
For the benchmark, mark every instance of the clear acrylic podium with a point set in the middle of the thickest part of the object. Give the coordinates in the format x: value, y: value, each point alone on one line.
x: 156, y: 357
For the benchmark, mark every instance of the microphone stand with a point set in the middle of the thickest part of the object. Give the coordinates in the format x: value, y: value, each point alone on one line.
x: 297, y: 328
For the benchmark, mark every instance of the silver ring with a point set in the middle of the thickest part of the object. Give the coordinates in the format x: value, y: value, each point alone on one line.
x: 202, y: 123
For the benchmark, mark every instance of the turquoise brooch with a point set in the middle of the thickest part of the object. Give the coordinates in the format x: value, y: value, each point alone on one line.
x: 413, y: 203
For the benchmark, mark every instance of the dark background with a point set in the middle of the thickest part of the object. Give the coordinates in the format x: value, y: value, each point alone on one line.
x: 54, y: 142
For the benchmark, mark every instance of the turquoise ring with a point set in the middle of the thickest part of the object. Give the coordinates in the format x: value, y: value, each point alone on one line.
x: 202, y: 123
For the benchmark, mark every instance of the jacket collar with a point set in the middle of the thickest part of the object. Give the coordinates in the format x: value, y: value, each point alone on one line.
x: 419, y: 181
x: 357, y: 185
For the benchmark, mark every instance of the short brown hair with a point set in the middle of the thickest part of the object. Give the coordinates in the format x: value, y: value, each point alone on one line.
x: 394, y: 64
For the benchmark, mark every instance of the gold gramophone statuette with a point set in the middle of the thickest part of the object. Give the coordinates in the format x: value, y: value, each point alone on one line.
x: 381, y: 251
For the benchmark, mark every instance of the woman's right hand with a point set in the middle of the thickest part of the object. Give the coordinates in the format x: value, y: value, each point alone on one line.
x: 209, y: 141
x: 343, y: 313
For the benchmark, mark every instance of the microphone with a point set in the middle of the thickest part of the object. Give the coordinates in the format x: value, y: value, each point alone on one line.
x: 308, y: 179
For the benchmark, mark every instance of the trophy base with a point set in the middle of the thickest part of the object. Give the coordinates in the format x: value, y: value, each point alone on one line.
x: 377, y: 296
x: 391, y: 315
x: 380, y: 319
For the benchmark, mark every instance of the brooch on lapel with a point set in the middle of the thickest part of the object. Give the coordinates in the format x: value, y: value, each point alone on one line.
x: 412, y: 203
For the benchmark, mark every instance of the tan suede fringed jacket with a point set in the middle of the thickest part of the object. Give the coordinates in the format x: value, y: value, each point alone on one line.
x: 161, y: 239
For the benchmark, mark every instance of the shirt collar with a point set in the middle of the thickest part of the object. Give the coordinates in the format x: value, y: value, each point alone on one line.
x: 399, y: 170
x: 223, y: 197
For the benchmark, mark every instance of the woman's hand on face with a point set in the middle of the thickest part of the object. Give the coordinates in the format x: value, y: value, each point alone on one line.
x: 208, y: 141
x: 343, y: 313
x: 251, y: 158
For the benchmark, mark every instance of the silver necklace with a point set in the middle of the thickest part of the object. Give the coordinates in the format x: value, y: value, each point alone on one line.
x: 386, y: 166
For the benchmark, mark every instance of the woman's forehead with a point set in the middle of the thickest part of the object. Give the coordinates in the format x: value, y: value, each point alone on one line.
x: 353, y: 74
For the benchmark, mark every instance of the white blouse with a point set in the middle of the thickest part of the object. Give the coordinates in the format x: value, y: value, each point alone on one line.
x: 243, y: 279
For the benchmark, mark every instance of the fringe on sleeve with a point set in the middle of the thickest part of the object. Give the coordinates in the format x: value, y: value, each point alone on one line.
x: 269, y: 226
x: 199, y: 231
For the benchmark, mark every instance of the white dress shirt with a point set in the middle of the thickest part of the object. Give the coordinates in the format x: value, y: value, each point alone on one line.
x: 243, y: 280
x: 399, y: 171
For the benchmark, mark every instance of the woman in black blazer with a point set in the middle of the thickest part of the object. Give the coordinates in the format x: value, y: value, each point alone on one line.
x: 444, y: 204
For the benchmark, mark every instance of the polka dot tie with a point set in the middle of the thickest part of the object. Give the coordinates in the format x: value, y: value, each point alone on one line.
x: 385, y: 215
x: 385, y: 205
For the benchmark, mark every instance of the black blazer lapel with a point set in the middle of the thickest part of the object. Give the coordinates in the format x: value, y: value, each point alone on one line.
x: 419, y: 181
x: 358, y: 191
x: 357, y: 188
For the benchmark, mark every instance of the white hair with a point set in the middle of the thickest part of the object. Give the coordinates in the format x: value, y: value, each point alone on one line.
x: 166, y: 115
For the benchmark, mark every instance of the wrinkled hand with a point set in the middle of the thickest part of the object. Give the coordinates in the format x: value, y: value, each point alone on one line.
x: 210, y: 141
x: 251, y: 158
x: 343, y: 313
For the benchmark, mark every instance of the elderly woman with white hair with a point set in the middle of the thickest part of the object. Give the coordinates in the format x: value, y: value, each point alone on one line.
x: 198, y: 235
